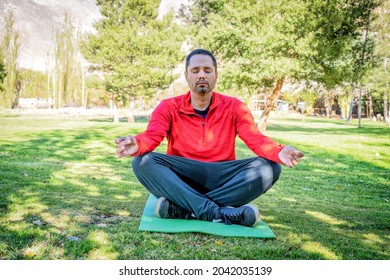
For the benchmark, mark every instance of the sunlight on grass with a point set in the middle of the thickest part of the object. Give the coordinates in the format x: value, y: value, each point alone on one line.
x: 273, y: 225
x: 318, y: 248
x: 123, y: 213
x: 59, y: 179
x: 289, y: 199
x: 23, y: 206
x: 104, y: 250
x: 325, y: 218
x: 373, y: 238
x: 92, y: 171
x: 31, y: 252
x: 20, y: 226
x: 136, y: 194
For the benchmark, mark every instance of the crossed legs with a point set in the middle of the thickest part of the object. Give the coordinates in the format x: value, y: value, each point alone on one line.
x: 203, y: 187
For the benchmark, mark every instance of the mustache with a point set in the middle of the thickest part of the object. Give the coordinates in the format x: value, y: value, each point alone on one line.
x: 202, y: 82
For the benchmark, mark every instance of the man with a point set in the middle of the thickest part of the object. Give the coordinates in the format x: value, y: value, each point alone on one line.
x: 199, y: 177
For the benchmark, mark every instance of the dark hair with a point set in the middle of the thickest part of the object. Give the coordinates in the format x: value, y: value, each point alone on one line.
x: 203, y: 52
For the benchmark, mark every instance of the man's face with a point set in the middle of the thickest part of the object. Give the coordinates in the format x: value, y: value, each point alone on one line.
x: 201, y: 74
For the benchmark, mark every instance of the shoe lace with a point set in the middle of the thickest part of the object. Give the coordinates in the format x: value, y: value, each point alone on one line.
x: 231, y: 217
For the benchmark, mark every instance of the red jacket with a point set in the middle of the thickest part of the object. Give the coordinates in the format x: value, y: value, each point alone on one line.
x: 211, y: 139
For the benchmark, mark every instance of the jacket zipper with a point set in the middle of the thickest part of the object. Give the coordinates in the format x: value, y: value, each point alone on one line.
x: 204, y: 140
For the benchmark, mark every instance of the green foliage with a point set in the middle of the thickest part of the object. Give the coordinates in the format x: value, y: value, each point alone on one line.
x: 33, y: 83
x: 306, y: 95
x: 377, y: 80
x: 261, y: 41
x: 66, y: 73
x: 9, y: 73
x: 338, y: 28
x: 96, y: 93
x: 136, y: 51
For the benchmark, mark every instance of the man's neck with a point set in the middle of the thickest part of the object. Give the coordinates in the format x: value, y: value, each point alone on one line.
x: 201, y: 101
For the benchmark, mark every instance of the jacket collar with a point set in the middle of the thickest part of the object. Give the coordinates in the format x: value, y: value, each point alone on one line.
x: 187, y: 108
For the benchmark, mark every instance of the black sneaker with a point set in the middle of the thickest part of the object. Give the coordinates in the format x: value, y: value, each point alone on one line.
x: 169, y: 210
x: 245, y: 215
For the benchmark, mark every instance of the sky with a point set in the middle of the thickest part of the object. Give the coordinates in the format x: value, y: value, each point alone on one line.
x: 36, y: 20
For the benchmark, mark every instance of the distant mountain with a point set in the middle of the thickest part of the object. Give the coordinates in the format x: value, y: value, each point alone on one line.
x: 37, y: 20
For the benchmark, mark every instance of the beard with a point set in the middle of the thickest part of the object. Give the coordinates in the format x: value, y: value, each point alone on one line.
x: 203, y: 89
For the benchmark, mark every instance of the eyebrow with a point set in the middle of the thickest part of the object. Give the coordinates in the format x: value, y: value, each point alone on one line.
x: 206, y: 67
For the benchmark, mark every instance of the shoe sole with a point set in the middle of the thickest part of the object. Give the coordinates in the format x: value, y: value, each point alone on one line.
x: 254, y: 208
x: 158, y: 204
x: 257, y: 213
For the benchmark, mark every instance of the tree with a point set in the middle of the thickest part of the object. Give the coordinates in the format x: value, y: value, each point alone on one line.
x: 136, y: 51
x: 260, y: 43
x: 66, y: 73
x: 8, y: 69
x: 2, y: 70
x: 377, y: 80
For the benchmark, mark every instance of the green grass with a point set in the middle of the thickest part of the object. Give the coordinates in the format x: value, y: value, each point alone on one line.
x: 64, y: 195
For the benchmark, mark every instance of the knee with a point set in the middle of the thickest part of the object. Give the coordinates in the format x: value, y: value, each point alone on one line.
x: 277, y: 170
x: 142, y: 162
x: 269, y: 171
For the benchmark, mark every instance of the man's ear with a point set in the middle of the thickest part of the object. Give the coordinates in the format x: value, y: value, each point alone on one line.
x: 186, y: 75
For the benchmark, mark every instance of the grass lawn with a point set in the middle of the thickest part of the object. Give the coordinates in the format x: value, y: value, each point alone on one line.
x: 64, y: 195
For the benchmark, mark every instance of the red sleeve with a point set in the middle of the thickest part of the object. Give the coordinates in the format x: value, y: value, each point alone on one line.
x: 248, y: 131
x: 157, y: 129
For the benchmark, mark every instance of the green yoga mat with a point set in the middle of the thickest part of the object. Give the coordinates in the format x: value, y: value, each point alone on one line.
x: 149, y: 222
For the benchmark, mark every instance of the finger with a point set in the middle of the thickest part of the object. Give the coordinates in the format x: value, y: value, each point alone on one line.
x: 288, y: 162
x: 291, y: 160
x: 294, y: 158
x: 120, y: 149
x: 122, y: 154
x: 120, y: 139
x: 294, y: 162
x: 123, y: 143
x: 119, y: 155
x: 298, y: 154
x: 129, y: 140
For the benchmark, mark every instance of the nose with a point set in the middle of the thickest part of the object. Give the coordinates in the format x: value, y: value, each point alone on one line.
x: 201, y: 74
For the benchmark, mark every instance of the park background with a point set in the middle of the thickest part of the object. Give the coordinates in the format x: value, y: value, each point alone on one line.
x: 314, y: 73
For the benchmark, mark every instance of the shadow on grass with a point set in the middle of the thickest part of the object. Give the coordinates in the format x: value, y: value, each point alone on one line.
x: 137, y: 119
x: 342, y: 131
x: 337, y: 208
x: 65, y: 196
x: 59, y: 186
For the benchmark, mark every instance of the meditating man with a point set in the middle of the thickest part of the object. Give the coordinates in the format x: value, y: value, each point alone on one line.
x: 199, y: 177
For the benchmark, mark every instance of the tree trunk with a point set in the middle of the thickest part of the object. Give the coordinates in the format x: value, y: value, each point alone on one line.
x: 371, y: 109
x: 350, y: 105
x: 130, y: 115
x: 327, y: 105
x: 360, y: 107
x: 15, y: 102
x: 386, y: 110
x: 116, y: 114
x: 83, y: 98
x: 262, y: 125
x: 114, y: 109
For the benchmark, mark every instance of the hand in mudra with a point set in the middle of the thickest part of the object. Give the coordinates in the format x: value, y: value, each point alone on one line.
x: 126, y: 146
x: 290, y: 156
